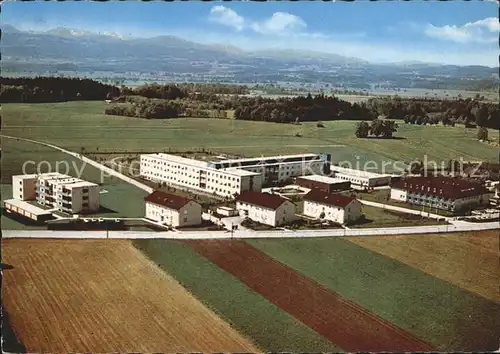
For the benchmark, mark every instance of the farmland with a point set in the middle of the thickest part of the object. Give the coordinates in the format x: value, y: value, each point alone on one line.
x: 74, y: 125
x: 104, y: 296
x: 250, y: 313
x: 344, y: 323
x: 444, y: 315
x: 468, y: 260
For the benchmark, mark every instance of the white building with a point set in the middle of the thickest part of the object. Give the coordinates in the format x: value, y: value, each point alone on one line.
x: 198, y: 175
x: 172, y: 210
x: 360, y: 179
x: 338, y: 208
x: 24, y: 187
x: 228, y: 178
x: 58, y: 191
x: 445, y: 193
x: 279, y: 168
x: 265, y: 208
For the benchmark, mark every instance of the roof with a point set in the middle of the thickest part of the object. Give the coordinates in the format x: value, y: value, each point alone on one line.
x: 265, y: 200
x: 323, y: 179
x: 170, y: 201
x: 178, y: 159
x: 80, y: 183
x: 446, y: 187
x: 357, y: 173
x: 30, y: 208
x: 337, y: 200
x: 237, y: 172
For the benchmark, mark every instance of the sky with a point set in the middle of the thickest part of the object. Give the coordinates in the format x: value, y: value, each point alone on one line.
x: 451, y: 32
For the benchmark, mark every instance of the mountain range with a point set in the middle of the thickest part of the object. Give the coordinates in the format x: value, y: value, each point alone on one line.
x: 70, y: 49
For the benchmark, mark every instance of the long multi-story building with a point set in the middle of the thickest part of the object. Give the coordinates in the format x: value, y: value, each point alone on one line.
x: 228, y: 178
x: 198, y: 175
x: 59, y: 191
x: 445, y: 193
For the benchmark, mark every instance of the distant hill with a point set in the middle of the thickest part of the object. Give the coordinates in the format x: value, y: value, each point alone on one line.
x: 85, y: 51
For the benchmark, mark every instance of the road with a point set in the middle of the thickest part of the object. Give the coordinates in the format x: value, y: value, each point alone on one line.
x: 459, y: 226
x: 91, y: 162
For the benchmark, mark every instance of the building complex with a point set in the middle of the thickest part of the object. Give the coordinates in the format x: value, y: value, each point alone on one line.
x: 445, y: 193
x: 58, y: 191
x: 229, y: 178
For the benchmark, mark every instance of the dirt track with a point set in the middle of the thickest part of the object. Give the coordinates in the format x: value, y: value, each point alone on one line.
x: 102, y: 296
x: 342, y: 322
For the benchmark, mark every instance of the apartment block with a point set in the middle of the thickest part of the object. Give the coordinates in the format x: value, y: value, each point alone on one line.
x: 197, y: 175
x: 58, y: 191
x: 228, y: 178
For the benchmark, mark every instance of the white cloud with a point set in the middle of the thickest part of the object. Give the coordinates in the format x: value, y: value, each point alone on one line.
x: 227, y: 17
x: 280, y: 23
x: 482, y: 31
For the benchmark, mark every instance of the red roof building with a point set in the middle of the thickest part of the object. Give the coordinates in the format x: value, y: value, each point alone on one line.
x: 445, y: 187
x: 264, y: 200
x: 167, y: 200
x: 336, y: 200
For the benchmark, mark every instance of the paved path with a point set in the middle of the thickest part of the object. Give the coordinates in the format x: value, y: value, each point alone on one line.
x: 91, y: 162
x: 462, y: 226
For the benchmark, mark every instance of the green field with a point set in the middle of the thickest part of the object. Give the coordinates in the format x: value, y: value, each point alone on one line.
x: 74, y: 125
x: 444, y: 315
x: 378, y: 217
x: 248, y: 312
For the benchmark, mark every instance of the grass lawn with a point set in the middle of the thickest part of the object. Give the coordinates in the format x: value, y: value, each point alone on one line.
x: 444, y: 315
x: 378, y: 217
x: 82, y: 124
x: 248, y: 312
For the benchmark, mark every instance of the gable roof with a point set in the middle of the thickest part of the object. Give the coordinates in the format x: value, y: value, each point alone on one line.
x: 446, y: 187
x: 167, y: 200
x: 265, y: 200
x: 337, y: 200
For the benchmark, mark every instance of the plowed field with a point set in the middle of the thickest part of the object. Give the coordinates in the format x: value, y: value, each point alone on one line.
x: 104, y: 296
x: 343, y: 322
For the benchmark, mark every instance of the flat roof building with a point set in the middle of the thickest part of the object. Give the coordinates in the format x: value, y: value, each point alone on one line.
x: 26, y: 210
x: 323, y: 183
x: 360, y: 179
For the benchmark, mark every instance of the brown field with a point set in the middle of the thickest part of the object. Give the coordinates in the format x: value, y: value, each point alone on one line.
x: 468, y: 260
x: 104, y: 296
x: 342, y: 322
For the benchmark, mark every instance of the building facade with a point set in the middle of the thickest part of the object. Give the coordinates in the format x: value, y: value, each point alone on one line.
x: 323, y: 183
x: 265, y: 208
x: 444, y: 193
x: 198, y: 175
x: 337, y: 208
x: 360, y: 179
x: 276, y: 169
x: 24, y: 187
x: 58, y: 191
x: 172, y: 210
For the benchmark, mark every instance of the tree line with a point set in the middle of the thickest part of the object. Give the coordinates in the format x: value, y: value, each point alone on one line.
x: 53, y: 89
x: 470, y: 112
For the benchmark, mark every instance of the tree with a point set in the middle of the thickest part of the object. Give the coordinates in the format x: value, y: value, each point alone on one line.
x: 362, y: 129
x: 377, y: 127
x: 482, y: 133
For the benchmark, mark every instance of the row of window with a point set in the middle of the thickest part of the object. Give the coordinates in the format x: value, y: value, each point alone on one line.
x: 217, y: 175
